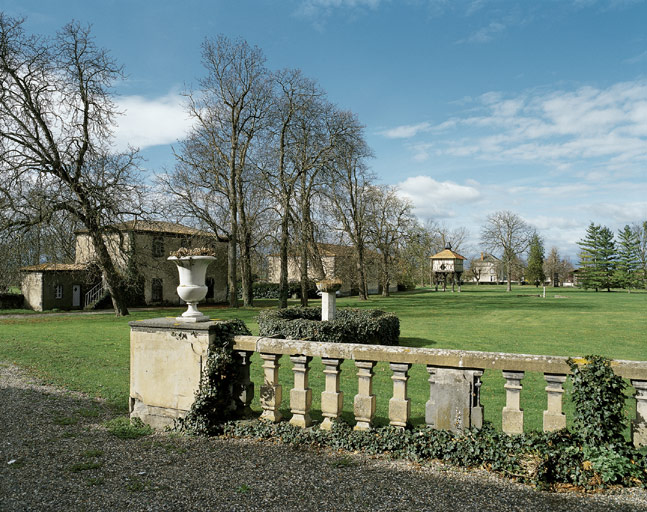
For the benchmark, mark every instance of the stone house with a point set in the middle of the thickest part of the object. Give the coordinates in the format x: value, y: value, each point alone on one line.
x: 487, y: 269
x: 338, y: 261
x: 138, y: 248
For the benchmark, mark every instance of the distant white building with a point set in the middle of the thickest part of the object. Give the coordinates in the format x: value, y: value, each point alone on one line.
x: 487, y: 269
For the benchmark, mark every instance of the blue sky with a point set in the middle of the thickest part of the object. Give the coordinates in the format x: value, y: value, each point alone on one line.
x: 539, y: 107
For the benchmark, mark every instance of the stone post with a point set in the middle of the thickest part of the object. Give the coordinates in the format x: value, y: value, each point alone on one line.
x: 244, y: 387
x: 301, y: 394
x: 328, y: 306
x: 364, y: 404
x: 512, y: 415
x: 554, y: 418
x: 332, y: 399
x: 328, y: 289
x: 271, y: 392
x: 639, y: 425
x: 399, y: 405
x: 454, y: 399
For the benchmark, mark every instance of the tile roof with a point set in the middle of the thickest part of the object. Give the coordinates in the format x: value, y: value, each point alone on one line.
x: 447, y: 254
x: 55, y: 267
x: 156, y: 226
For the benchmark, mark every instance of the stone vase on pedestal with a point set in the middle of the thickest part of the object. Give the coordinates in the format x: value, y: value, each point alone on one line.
x: 192, y: 289
x: 328, y: 289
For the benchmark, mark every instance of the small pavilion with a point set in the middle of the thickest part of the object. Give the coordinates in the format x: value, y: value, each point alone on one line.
x: 445, y: 264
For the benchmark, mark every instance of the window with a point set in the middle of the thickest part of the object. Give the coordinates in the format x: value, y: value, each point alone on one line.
x: 156, y: 290
x: 158, y: 247
x: 58, y: 291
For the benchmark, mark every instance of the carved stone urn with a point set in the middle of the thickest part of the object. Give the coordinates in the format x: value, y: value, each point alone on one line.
x: 192, y: 289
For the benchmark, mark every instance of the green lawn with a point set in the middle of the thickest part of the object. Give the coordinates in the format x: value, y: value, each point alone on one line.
x: 91, y: 353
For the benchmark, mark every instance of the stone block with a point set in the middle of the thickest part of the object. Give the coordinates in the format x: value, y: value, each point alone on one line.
x: 364, y: 407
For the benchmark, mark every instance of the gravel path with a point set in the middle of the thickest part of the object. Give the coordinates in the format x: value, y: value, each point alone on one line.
x: 55, y: 454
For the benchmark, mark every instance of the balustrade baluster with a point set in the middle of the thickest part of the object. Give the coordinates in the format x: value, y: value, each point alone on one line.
x: 364, y: 403
x: 639, y: 425
x: 332, y: 399
x: 554, y: 418
x: 512, y: 415
x: 301, y: 394
x: 271, y: 392
x: 244, y: 387
x: 399, y: 405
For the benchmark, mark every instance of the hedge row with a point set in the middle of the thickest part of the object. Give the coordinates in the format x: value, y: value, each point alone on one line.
x: 366, y: 326
x: 11, y: 301
x: 263, y: 290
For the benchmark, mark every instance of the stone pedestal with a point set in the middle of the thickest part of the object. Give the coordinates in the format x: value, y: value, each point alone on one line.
x: 332, y: 399
x: 271, y: 391
x: 166, y: 361
x: 400, y: 405
x: 554, y: 418
x: 364, y: 404
x: 512, y: 415
x: 300, y: 394
x: 328, y: 306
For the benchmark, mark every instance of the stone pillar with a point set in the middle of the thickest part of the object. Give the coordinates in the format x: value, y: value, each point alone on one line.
x: 332, y: 399
x: 639, y: 425
x: 328, y: 306
x: 399, y: 405
x: 512, y: 416
x: 454, y: 399
x: 476, y: 419
x: 271, y: 389
x: 364, y: 404
x: 244, y: 387
x: 300, y: 394
x: 554, y: 418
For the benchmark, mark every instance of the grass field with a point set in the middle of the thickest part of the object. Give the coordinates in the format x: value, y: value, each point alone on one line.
x: 91, y: 353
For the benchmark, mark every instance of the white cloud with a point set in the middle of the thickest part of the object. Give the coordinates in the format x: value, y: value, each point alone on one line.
x: 559, y: 129
x: 486, y: 34
x: 405, y: 131
x: 150, y: 122
x: 314, y: 8
x: 436, y: 199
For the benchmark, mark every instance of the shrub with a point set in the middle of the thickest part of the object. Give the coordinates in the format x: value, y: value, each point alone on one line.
x: 598, y: 396
x: 262, y: 290
x: 366, y: 326
x: 214, y: 400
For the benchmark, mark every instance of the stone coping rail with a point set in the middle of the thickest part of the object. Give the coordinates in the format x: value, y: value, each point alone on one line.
x: 430, y: 356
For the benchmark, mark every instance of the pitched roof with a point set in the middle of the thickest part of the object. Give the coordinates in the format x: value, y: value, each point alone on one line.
x: 157, y: 226
x: 55, y: 267
x: 447, y: 254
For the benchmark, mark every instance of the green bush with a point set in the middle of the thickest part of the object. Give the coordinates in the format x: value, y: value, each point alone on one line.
x: 262, y: 290
x: 366, y: 326
x: 598, y: 396
x: 215, y: 400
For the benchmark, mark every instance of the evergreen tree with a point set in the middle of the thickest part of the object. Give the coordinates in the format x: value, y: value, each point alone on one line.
x: 588, y: 273
x: 535, y: 271
x: 627, y: 272
x: 606, y: 262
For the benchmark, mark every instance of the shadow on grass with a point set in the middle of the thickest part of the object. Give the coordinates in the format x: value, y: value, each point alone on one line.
x: 416, y: 342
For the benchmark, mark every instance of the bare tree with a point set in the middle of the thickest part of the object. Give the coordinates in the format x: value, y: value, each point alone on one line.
x: 228, y: 111
x: 56, y: 115
x: 348, y: 183
x: 389, y: 221
x: 508, y: 233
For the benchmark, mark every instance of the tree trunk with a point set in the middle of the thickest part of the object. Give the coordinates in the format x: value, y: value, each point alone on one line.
x: 385, y: 276
x: 245, y: 249
x: 361, y: 272
x: 233, y: 237
x: 109, y: 272
x: 303, y: 267
x: 283, y: 255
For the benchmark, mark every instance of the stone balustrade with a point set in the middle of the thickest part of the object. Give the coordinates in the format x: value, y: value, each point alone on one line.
x: 167, y: 359
x: 455, y: 379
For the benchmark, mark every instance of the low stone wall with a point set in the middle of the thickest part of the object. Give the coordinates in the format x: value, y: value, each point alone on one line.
x: 167, y: 359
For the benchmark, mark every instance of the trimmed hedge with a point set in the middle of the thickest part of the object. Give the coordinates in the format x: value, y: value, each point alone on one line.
x: 366, y: 326
x: 11, y: 301
x: 262, y: 290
